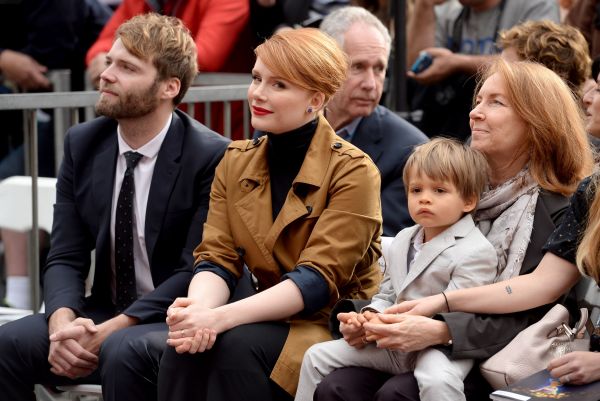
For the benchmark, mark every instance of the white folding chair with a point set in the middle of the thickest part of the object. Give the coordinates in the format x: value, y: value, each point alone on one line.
x: 15, y: 203
x: 81, y: 392
x: 15, y: 214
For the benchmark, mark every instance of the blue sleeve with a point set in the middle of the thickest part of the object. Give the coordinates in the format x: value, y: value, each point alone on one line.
x: 313, y: 287
x: 220, y: 271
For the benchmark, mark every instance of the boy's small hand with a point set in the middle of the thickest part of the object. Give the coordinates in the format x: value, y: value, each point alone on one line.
x: 352, y: 318
x: 351, y: 328
x: 372, y: 317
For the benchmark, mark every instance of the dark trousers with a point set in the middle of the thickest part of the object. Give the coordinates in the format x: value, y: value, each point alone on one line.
x: 236, y: 368
x: 364, y: 384
x: 127, y: 370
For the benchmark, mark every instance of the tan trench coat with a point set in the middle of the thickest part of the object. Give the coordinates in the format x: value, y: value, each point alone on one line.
x: 331, y: 221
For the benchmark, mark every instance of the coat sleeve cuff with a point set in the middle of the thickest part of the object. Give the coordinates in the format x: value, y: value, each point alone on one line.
x: 220, y: 271
x: 314, y: 288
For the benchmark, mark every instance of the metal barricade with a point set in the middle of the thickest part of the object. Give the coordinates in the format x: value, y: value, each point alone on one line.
x: 216, y: 78
x: 70, y: 101
x: 63, y: 117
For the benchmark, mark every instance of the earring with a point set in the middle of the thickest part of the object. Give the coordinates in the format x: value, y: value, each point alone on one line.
x: 309, y: 110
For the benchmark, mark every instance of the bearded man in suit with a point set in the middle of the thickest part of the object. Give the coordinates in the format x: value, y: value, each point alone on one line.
x: 133, y: 186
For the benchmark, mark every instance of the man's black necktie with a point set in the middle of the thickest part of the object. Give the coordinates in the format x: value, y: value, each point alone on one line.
x: 126, y: 291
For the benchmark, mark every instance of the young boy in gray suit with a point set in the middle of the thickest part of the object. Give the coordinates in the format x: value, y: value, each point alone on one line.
x: 443, y: 251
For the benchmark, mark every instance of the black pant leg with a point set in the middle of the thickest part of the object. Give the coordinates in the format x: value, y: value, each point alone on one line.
x: 24, y: 356
x: 350, y: 384
x: 237, y: 368
x: 401, y: 387
x: 129, y: 361
x: 361, y: 384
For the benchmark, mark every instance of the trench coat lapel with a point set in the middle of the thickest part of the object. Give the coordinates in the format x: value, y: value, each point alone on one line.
x: 312, y: 173
x: 255, y: 206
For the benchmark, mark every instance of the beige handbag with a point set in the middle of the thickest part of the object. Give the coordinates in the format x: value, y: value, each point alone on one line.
x: 533, y: 348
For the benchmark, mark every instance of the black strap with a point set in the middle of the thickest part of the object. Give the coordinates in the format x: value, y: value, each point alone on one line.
x: 458, y: 25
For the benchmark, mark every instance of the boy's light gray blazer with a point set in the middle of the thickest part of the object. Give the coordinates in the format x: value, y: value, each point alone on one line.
x: 459, y: 257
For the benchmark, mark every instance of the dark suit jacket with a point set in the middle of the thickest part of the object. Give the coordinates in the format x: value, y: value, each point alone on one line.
x: 481, y: 336
x: 176, y: 211
x: 389, y: 140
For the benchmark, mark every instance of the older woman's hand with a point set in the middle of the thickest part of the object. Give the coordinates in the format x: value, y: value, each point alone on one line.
x: 427, y: 306
x: 351, y: 327
x: 407, y: 332
x: 578, y: 367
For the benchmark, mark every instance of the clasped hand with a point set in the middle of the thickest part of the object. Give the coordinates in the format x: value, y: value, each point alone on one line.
x: 74, y: 349
x: 352, y: 328
x: 192, y: 327
x: 403, y: 332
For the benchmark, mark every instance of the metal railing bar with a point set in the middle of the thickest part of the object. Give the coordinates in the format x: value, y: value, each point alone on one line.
x: 227, y: 120
x: 54, y: 100
x: 207, y: 114
x: 228, y: 78
x: 246, y: 120
x: 191, y: 110
x: 61, y: 82
x: 30, y: 123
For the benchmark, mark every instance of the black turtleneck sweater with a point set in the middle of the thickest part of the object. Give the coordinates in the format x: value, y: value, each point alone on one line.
x: 285, y: 157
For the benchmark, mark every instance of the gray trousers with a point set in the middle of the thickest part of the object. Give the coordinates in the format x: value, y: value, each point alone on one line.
x: 438, y: 377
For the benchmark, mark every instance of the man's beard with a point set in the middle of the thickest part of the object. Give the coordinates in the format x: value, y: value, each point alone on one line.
x: 131, y: 105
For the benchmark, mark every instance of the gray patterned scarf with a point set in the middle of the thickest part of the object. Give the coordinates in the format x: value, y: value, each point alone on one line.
x: 505, y: 216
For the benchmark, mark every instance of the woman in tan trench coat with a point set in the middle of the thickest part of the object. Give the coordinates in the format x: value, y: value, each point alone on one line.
x: 300, y: 208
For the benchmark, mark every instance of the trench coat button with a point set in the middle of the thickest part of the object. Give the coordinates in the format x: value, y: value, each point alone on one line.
x: 240, y: 251
x: 309, y: 209
x: 246, y: 186
x: 337, y: 145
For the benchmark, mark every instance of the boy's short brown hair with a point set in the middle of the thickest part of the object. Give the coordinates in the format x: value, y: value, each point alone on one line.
x: 445, y: 159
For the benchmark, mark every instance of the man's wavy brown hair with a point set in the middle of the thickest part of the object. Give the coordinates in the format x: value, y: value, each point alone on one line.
x: 167, y: 43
